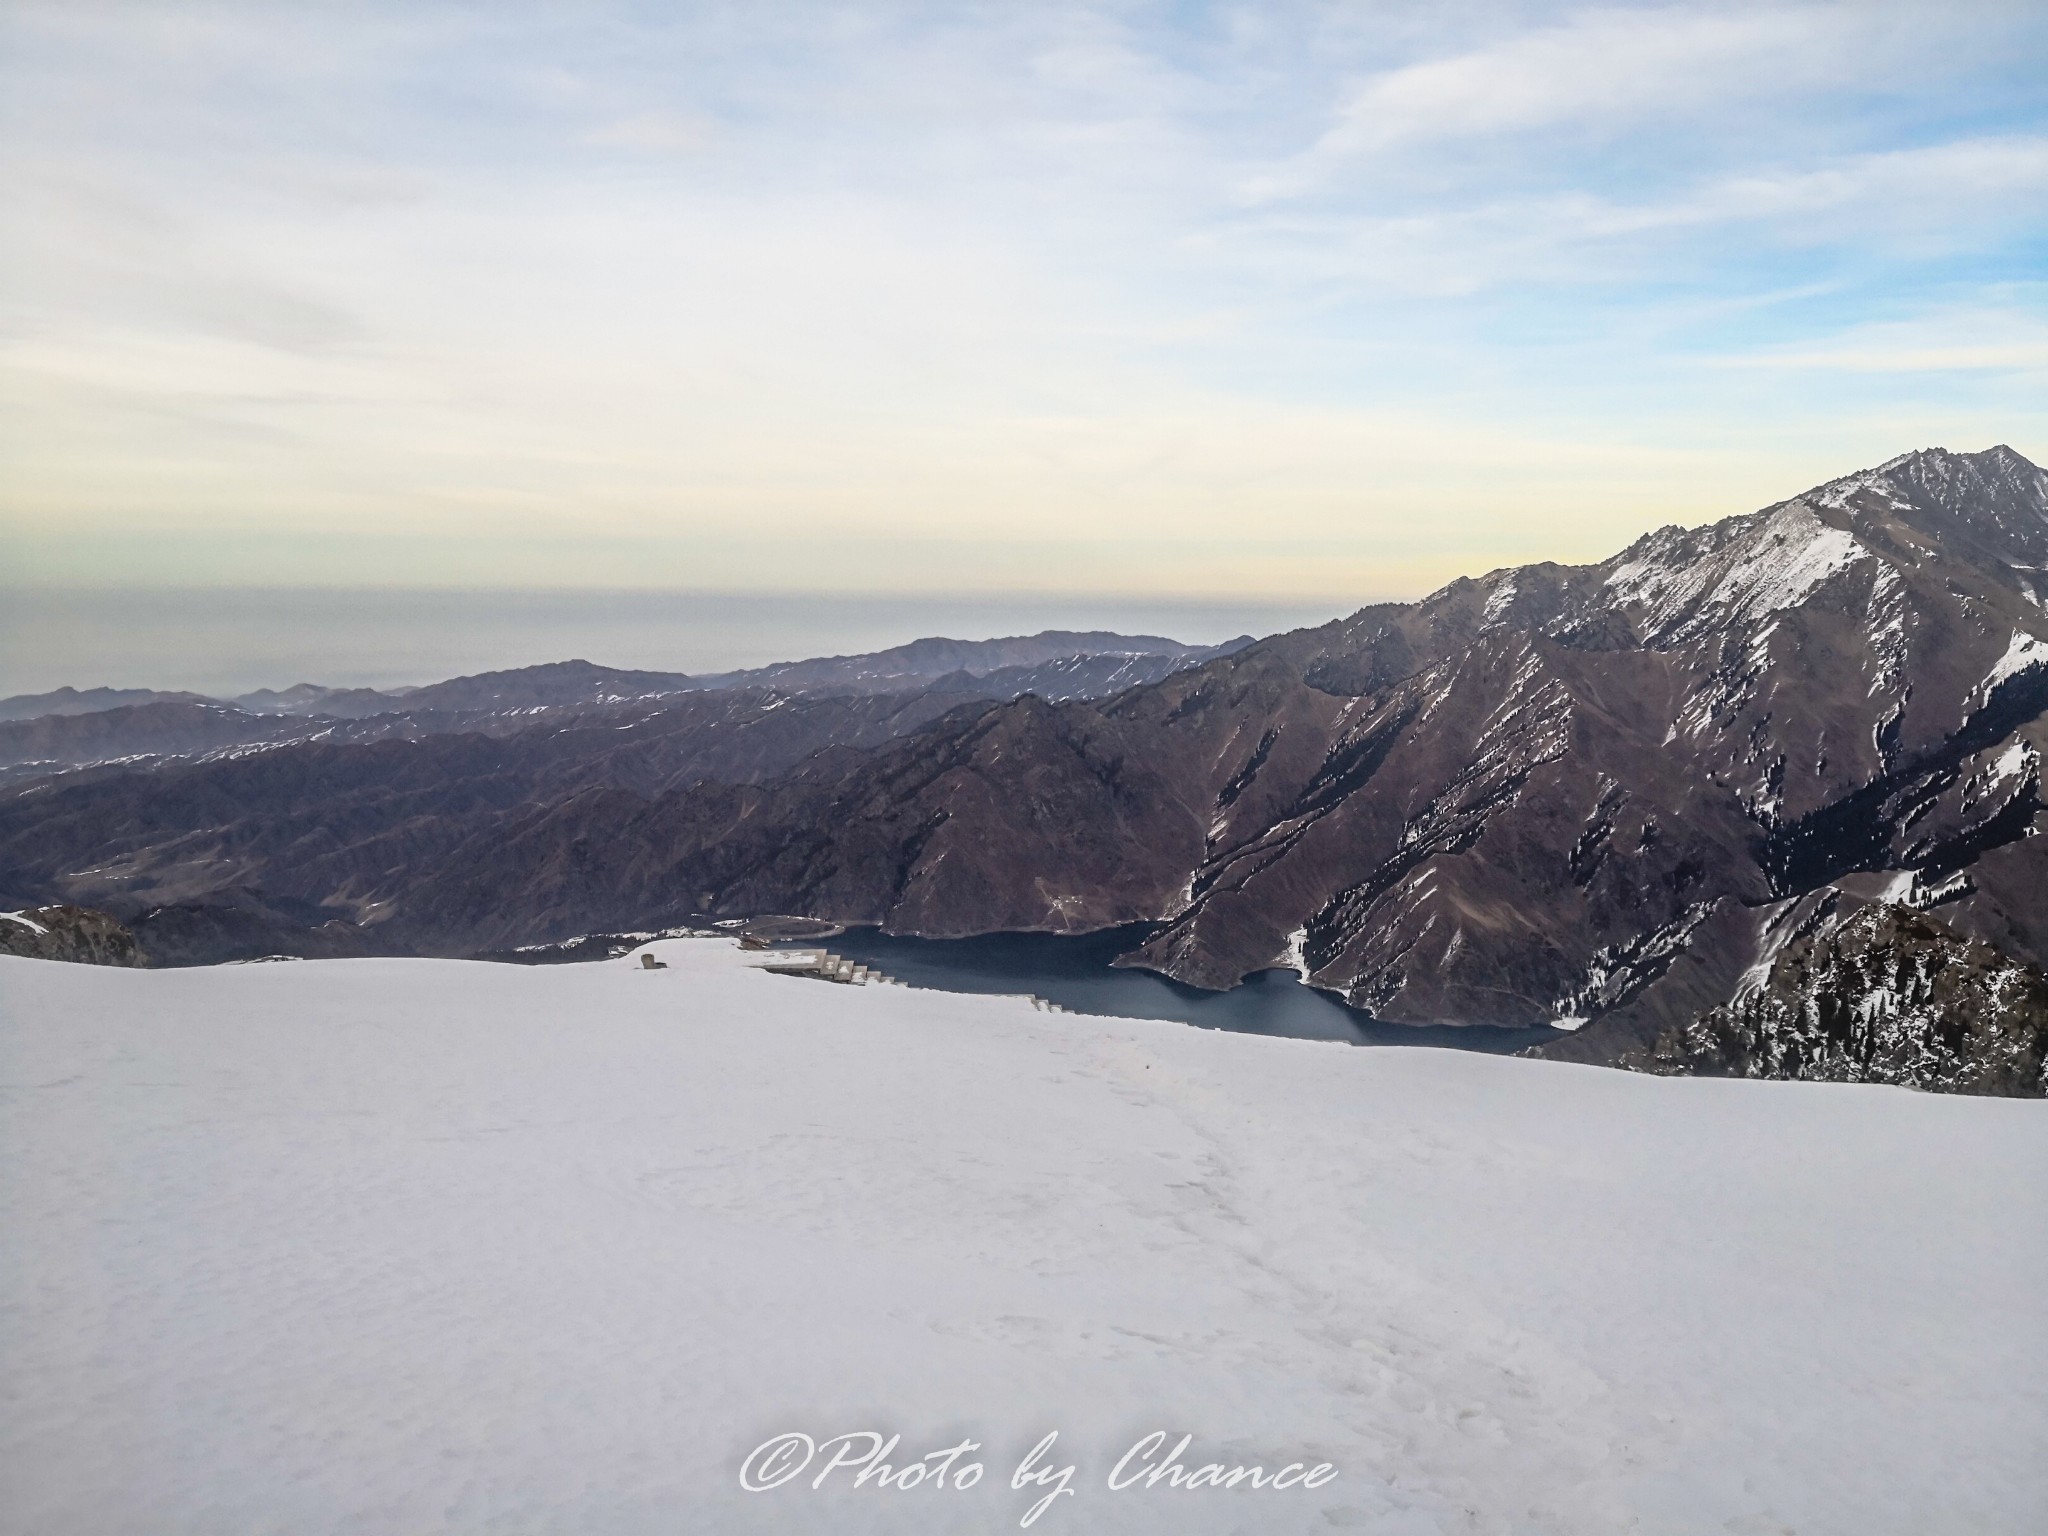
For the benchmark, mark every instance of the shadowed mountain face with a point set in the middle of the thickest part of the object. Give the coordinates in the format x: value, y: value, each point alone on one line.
x: 160, y: 727
x: 1588, y: 793
x: 225, y: 832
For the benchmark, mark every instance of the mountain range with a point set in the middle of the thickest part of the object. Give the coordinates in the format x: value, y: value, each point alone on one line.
x: 72, y: 727
x: 1605, y: 795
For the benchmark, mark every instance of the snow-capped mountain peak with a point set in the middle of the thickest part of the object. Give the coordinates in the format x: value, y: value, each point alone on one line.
x: 1993, y: 504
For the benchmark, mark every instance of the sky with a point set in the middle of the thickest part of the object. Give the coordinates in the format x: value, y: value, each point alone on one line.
x: 1284, y: 303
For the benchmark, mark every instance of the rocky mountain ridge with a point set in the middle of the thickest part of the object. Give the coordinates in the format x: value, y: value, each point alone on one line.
x: 1594, y: 794
x: 1547, y: 793
x: 134, y: 726
x: 1526, y: 794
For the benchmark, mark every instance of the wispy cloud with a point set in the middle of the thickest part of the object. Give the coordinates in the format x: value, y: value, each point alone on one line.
x: 2004, y: 339
x: 657, y: 132
x: 1601, y: 72
x: 1915, y: 192
x: 1918, y: 203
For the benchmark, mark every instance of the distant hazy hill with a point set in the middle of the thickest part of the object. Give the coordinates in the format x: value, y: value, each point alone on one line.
x: 85, y: 701
x: 922, y: 661
x: 316, y: 699
x: 110, y: 724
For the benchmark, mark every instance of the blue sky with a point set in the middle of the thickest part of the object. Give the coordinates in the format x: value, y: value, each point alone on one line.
x: 1310, y: 301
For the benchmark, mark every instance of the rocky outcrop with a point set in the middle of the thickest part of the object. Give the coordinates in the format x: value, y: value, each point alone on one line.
x: 77, y: 934
x: 1886, y: 994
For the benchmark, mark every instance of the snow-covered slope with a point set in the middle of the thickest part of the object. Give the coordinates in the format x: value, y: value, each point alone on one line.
x: 426, y: 1246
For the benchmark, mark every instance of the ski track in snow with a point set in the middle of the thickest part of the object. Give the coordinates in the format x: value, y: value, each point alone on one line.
x: 431, y: 1246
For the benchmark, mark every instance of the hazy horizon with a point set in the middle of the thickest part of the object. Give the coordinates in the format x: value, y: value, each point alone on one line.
x: 226, y: 641
x: 225, y: 638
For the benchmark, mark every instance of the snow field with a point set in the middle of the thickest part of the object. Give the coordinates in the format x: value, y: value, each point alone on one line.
x: 385, y: 1245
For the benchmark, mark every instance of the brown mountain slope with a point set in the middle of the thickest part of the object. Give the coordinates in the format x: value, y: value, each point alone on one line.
x: 1552, y: 792
x: 1523, y: 798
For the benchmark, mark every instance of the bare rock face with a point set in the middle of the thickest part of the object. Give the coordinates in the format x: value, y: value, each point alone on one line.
x: 1884, y: 995
x: 77, y: 934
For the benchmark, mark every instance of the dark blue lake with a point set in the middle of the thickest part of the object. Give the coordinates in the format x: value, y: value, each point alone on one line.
x: 1075, y: 972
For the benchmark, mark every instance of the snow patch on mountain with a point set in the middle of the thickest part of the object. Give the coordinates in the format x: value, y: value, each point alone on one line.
x: 1619, y: 971
x: 1888, y: 649
x: 2023, y: 653
x: 1690, y: 584
x: 1869, y: 484
x: 1498, y: 602
x: 1295, y: 956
